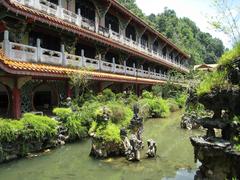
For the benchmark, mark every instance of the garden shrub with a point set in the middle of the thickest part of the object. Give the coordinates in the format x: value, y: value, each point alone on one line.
x: 159, y: 108
x: 63, y: 113
x: 144, y: 108
x: 181, y: 100
x: 106, y: 95
x: 109, y: 132
x: 215, y: 79
x: 147, y: 95
x: 120, y: 114
x: 38, y: 127
x: 10, y: 130
x: 173, y: 105
x: 230, y: 55
x: 30, y: 127
x: 75, y: 128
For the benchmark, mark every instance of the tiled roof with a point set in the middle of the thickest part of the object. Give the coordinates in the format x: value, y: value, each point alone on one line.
x: 51, y: 20
x: 34, y: 69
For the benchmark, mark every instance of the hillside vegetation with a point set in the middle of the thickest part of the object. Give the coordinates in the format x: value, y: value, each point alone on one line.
x: 202, y: 47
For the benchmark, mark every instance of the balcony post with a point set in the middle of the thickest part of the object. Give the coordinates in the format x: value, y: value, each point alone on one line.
x: 6, y: 44
x: 64, y: 60
x: 110, y: 30
x: 36, y: 4
x: 131, y: 40
x: 39, y: 50
x: 59, y: 10
x: 149, y: 71
x: 134, y: 69
x: 79, y: 17
x: 100, y: 61
x: 96, y: 23
x: 113, y: 65
x: 83, y: 58
x: 125, y: 67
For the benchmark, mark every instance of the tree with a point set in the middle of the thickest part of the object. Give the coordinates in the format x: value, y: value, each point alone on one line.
x: 227, y: 19
x: 80, y: 81
x: 202, y: 47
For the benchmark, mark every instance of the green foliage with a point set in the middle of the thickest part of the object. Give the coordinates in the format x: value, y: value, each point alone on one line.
x: 151, y: 106
x: 38, y: 127
x: 110, y: 133
x: 159, y: 107
x: 202, y: 47
x: 106, y: 95
x: 147, y: 95
x: 216, y: 79
x: 230, y: 55
x: 62, y: 113
x: 181, y: 100
x: 121, y: 114
x: 10, y: 130
x: 144, y: 108
x: 75, y: 128
x: 30, y: 127
x: 173, y: 105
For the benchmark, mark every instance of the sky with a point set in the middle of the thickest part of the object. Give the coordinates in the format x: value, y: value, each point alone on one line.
x: 198, y: 11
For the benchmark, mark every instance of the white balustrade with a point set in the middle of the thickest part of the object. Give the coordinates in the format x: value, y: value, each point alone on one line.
x: 48, y: 7
x: 23, y: 52
x: 92, y: 63
x: 73, y: 60
x: 70, y: 16
x: 119, y: 69
x: 106, y: 66
x: 51, y: 57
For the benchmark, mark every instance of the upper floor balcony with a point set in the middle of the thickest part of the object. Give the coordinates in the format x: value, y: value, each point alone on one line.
x: 26, y: 53
x: 75, y: 18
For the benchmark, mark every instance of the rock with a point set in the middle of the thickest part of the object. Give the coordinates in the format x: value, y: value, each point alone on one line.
x: 188, y: 121
x: 152, y: 148
x: 218, y: 159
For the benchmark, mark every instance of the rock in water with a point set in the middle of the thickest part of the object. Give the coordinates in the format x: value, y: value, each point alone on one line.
x: 152, y: 148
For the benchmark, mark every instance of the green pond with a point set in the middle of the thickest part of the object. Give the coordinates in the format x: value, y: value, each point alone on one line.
x: 175, y: 159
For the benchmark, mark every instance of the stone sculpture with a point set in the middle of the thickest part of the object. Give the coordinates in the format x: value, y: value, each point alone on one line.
x: 152, y: 148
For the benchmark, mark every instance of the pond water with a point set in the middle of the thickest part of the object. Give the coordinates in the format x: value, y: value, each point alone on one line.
x: 175, y: 159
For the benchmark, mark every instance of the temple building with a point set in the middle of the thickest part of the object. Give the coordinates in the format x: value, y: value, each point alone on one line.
x: 43, y: 41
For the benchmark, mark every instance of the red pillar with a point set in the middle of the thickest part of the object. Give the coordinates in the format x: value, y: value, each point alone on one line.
x: 69, y: 91
x: 16, y: 100
x: 138, y: 90
x: 100, y: 86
